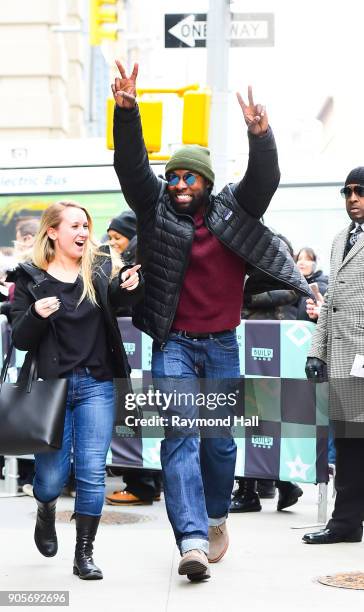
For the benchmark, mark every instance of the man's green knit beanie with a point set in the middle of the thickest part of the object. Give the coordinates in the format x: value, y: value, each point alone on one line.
x: 194, y: 158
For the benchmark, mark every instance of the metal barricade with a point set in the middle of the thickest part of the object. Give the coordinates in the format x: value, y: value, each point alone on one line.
x: 287, y: 338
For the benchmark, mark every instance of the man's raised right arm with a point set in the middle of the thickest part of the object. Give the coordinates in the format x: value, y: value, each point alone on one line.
x: 139, y: 184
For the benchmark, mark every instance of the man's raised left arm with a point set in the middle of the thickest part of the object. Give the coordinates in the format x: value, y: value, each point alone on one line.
x: 261, y: 179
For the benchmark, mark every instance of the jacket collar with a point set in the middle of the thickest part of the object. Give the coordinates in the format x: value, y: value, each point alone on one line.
x: 36, y: 274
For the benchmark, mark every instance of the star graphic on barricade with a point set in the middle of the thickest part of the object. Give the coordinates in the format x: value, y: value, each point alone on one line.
x: 153, y: 453
x: 298, y: 468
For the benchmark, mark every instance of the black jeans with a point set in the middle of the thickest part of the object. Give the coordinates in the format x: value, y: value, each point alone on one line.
x: 349, y: 483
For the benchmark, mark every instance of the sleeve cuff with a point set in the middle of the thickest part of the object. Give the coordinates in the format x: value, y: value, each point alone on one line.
x: 262, y: 143
x: 126, y: 115
x: 34, y: 315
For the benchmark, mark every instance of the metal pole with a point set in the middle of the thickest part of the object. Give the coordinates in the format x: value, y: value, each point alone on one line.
x: 322, y: 503
x: 217, y: 43
x: 132, y: 47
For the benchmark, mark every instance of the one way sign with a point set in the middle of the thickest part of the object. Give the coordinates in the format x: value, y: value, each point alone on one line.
x: 246, y: 30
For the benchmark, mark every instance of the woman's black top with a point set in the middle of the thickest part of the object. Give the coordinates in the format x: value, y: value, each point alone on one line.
x: 81, y: 331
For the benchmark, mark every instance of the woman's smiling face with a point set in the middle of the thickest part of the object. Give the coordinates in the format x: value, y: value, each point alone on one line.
x: 71, y: 234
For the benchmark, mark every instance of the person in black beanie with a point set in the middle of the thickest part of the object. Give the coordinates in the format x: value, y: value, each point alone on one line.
x: 337, y: 340
x: 123, y: 235
x: 143, y: 487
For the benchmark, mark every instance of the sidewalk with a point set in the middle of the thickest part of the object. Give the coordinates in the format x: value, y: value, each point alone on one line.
x: 266, y: 568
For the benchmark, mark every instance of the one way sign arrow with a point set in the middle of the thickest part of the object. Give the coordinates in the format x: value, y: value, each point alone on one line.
x: 190, y: 30
x: 246, y: 29
x: 185, y: 30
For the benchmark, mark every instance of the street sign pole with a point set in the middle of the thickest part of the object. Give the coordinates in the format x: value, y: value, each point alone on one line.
x: 217, y: 42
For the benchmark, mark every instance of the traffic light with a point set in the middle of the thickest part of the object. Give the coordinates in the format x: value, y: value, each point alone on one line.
x: 196, y: 117
x: 100, y: 14
x: 151, y: 112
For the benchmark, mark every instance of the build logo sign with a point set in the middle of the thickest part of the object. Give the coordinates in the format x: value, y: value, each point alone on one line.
x: 262, y: 349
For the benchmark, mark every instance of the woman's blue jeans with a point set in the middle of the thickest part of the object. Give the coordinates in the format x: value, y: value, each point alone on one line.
x: 87, y: 432
x: 198, y: 473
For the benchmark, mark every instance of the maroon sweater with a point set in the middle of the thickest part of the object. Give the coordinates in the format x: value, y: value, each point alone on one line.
x: 212, y: 292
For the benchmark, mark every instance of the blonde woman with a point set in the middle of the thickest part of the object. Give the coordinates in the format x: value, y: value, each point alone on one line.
x: 63, y: 312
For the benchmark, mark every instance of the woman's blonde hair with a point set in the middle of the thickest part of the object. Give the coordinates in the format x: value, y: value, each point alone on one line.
x: 44, y: 252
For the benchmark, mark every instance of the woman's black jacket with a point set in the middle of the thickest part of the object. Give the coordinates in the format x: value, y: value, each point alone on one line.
x: 322, y: 281
x: 32, y: 333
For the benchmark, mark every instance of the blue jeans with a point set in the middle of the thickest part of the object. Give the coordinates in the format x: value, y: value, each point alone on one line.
x: 198, y: 474
x: 87, y: 431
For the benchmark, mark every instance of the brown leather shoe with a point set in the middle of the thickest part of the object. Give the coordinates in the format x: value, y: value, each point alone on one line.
x: 218, y: 542
x: 124, y: 498
x: 195, y: 565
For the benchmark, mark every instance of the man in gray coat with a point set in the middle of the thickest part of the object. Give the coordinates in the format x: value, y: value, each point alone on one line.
x: 337, y: 340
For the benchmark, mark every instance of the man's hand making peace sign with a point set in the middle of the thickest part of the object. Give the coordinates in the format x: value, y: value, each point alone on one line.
x: 254, y: 114
x: 124, y: 88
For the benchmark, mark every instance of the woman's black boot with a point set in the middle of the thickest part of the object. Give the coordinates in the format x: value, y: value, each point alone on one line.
x: 83, y: 564
x: 45, y: 536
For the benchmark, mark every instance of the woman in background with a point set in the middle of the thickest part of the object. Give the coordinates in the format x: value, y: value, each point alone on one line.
x: 307, y: 263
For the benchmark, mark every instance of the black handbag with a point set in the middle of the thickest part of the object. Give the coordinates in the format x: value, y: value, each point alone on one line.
x: 31, y: 415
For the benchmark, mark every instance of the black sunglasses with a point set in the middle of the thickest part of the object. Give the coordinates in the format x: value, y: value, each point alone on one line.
x: 357, y: 189
x: 188, y: 178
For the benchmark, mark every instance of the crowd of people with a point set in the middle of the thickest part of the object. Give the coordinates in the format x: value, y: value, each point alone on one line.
x: 187, y: 265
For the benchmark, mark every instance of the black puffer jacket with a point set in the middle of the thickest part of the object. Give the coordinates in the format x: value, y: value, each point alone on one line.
x: 165, y: 237
x: 263, y: 301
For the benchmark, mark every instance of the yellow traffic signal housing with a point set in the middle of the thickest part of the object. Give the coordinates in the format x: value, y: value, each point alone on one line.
x: 99, y: 15
x: 110, y: 103
x: 151, y: 112
x: 196, y: 117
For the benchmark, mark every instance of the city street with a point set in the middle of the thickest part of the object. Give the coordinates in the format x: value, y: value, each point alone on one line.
x: 266, y: 567
x: 181, y: 266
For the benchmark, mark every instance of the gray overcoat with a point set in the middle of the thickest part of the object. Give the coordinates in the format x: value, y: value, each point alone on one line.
x: 339, y: 334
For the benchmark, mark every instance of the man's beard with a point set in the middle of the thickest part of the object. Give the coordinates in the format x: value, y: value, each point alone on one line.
x: 198, y: 202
